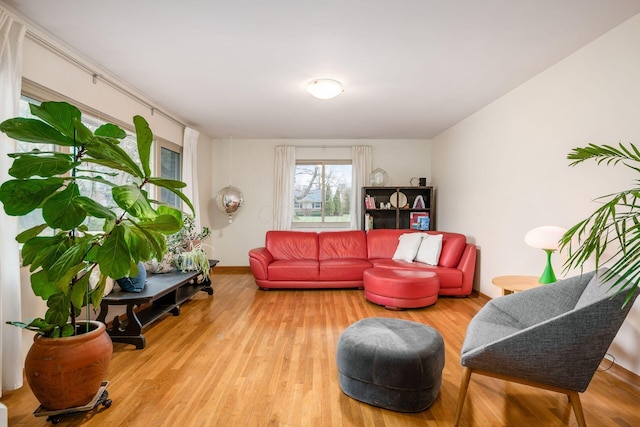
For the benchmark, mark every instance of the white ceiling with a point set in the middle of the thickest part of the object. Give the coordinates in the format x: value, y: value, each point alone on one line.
x: 410, y: 68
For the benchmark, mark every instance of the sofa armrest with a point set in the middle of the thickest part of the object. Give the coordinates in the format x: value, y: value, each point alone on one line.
x: 467, y: 265
x: 259, y: 260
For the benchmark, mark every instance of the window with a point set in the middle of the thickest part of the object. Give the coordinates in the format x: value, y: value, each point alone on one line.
x: 170, y: 168
x: 322, y: 193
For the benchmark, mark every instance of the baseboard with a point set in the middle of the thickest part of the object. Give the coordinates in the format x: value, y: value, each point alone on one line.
x: 231, y: 270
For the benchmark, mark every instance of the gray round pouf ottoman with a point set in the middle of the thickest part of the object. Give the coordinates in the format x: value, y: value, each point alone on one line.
x: 391, y: 363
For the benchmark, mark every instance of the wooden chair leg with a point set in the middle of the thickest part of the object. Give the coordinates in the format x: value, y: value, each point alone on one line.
x: 574, y: 398
x: 464, y: 385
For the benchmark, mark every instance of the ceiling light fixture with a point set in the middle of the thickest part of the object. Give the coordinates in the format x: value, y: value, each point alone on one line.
x: 325, y: 88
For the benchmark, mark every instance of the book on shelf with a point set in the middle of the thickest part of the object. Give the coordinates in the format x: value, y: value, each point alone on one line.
x: 419, y: 220
x: 369, y: 202
x: 368, y: 222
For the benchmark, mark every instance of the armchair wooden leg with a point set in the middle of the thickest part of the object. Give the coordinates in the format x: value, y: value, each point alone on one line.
x: 574, y: 398
x: 464, y: 385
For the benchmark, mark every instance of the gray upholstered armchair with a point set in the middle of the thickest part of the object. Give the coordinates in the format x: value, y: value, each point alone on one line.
x: 552, y: 337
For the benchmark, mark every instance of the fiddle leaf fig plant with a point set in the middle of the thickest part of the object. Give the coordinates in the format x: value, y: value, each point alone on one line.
x: 132, y: 226
x: 616, y: 222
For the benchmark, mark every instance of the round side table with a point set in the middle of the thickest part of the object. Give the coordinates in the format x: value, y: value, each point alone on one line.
x: 511, y: 284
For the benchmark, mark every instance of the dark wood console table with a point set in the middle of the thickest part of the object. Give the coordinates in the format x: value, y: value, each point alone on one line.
x: 162, y: 294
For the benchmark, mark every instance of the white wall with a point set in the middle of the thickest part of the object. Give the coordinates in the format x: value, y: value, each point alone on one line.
x: 252, y: 170
x: 503, y: 170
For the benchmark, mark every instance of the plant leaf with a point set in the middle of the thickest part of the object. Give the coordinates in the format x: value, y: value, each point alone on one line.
x: 144, y: 137
x: 113, y: 256
x: 134, y: 201
x: 60, y: 115
x: 62, y: 211
x: 94, y: 208
x: 80, y: 291
x: 110, y: 130
x: 34, y: 130
x: 30, y: 233
x: 19, y: 197
x: 45, y: 165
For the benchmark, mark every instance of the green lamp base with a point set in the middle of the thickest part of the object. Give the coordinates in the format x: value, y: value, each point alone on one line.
x: 547, y: 274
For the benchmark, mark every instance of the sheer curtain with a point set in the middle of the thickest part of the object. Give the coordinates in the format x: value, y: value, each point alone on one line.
x: 190, y: 172
x: 285, y: 167
x: 361, y: 159
x: 11, y: 37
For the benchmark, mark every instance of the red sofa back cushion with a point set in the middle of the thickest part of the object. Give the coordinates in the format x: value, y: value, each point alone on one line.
x: 342, y: 244
x: 382, y: 243
x: 288, y: 245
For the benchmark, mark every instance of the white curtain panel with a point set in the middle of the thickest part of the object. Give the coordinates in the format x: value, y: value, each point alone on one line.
x: 361, y: 160
x: 285, y: 168
x: 11, y: 37
x: 190, y: 172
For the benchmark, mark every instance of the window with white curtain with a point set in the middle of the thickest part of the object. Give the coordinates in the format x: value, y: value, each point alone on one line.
x: 322, y: 194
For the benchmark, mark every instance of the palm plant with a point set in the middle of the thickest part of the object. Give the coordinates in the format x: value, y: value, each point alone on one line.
x: 616, y: 223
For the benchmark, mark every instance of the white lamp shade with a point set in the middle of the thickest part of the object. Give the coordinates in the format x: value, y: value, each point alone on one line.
x: 325, y: 88
x: 545, y: 237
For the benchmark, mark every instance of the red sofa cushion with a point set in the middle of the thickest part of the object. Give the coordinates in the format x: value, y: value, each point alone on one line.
x: 342, y: 244
x: 297, y: 269
x: 292, y: 245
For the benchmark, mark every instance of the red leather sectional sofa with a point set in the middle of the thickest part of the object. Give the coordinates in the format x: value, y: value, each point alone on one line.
x: 338, y: 259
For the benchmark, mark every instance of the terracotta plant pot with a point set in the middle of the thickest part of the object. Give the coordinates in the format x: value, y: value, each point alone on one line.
x: 67, y: 372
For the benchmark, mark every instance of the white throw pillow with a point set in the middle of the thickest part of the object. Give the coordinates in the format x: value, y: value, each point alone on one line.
x: 430, y: 248
x: 408, y: 245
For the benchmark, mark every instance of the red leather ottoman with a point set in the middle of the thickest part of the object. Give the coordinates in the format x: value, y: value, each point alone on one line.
x: 398, y: 289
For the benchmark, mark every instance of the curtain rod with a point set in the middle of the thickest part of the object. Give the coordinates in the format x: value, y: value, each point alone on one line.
x: 95, y: 75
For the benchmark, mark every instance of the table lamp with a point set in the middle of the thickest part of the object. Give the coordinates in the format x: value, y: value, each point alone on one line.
x: 546, y: 238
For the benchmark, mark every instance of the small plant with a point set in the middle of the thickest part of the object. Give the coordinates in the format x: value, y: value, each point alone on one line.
x: 186, y: 239
x: 195, y: 259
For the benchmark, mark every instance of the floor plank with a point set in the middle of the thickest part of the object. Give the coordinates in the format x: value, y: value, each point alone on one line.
x: 246, y: 357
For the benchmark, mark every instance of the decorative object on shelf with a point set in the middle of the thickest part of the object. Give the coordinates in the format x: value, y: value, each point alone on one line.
x: 418, y: 182
x: 379, y: 177
x: 418, y: 203
x: 419, y: 220
x: 547, y: 238
x: 135, y: 283
x: 229, y: 200
x: 324, y: 88
x: 398, y: 199
x: 613, y: 225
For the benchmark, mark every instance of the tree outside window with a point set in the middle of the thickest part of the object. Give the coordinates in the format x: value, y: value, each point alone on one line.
x: 322, y: 191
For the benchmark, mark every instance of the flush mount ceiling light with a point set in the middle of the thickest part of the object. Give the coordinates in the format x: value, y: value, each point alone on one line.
x: 325, y: 88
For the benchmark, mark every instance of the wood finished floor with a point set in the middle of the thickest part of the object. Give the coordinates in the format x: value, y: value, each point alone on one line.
x: 246, y: 357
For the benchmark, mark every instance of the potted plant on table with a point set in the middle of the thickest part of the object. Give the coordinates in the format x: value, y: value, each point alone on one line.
x: 616, y: 223
x: 185, y: 248
x: 132, y: 229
